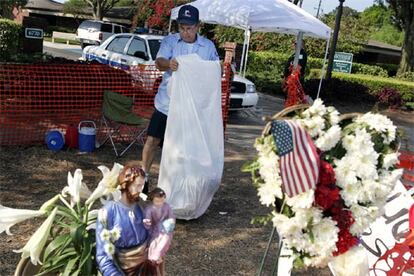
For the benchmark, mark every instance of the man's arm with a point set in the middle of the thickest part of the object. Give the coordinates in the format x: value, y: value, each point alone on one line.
x: 105, y: 262
x: 164, y: 64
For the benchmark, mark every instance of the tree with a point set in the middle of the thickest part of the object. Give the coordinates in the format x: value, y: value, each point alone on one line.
x: 353, y: 34
x: 382, y: 28
x: 77, y: 8
x: 99, y: 7
x: 404, y: 18
x: 155, y: 13
x: 6, y: 7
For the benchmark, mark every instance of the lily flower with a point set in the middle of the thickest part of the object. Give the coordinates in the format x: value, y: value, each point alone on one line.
x: 76, y: 188
x: 36, y: 243
x: 10, y: 217
x: 108, y: 184
x: 47, y: 206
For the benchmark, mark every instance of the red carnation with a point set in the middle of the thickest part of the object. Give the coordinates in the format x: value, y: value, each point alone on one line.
x: 326, y: 196
x: 345, y: 242
x: 344, y: 219
x: 326, y: 174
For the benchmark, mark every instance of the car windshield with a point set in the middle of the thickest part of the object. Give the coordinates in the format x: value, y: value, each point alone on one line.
x: 154, y: 45
x: 90, y: 25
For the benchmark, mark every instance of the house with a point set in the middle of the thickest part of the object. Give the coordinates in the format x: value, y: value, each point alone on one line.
x: 52, y: 12
x: 379, y: 52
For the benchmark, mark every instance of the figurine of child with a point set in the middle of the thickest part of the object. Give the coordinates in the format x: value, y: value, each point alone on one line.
x: 160, y: 221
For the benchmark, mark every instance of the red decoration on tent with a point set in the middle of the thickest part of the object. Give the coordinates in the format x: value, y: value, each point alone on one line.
x: 295, y: 92
x: 400, y: 258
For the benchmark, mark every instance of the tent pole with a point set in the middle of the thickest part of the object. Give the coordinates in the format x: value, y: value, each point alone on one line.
x: 243, y: 52
x: 247, y: 53
x: 169, y: 26
x: 299, y: 38
x: 323, y: 67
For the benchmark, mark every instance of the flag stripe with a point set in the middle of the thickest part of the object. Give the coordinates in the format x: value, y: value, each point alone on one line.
x: 302, y: 151
x: 298, y: 157
x: 308, y: 154
x: 295, y: 161
x: 289, y: 178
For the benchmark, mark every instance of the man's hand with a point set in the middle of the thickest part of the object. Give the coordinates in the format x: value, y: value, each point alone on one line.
x: 173, y: 64
x: 164, y: 64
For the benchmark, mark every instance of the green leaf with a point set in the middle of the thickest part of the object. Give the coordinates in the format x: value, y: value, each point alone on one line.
x: 69, y: 267
x: 250, y: 166
x: 60, y: 242
x: 76, y: 233
x: 86, y: 252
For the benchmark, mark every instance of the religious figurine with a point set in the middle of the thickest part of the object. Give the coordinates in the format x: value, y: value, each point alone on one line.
x: 160, y: 221
x: 121, y: 237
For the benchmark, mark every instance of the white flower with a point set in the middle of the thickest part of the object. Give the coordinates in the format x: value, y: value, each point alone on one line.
x: 345, y: 171
x: 329, y: 139
x: 103, y: 216
x: 381, y: 124
x: 109, y: 249
x: 333, y: 115
x: 49, y: 204
x: 10, y: 217
x: 76, y: 188
x: 108, y: 183
x: 390, y: 160
x: 105, y: 235
x: 302, y: 200
x: 36, y: 243
x: 115, y: 233
x: 363, y: 216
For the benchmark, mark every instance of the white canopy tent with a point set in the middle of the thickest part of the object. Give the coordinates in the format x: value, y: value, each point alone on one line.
x: 279, y: 16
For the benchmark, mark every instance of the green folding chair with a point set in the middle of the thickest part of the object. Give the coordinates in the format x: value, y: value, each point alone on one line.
x: 120, y: 123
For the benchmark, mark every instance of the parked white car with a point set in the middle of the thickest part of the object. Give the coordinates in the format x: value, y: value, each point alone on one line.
x: 93, y: 32
x: 125, y: 50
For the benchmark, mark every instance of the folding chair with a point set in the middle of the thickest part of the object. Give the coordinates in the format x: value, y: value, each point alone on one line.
x: 119, y: 122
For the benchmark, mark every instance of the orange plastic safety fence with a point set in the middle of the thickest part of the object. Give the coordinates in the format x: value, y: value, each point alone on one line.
x: 35, y: 99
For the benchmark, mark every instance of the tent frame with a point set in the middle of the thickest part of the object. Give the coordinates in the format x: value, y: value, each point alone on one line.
x: 299, y: 41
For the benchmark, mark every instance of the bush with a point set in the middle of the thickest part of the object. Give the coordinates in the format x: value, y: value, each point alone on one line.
x: 390, y: 97
x: 270, y: 65
x: 9, y: 38
x: 347, y: 87
x: 407, y: 76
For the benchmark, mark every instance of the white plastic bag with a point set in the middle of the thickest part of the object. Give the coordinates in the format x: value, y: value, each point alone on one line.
x: 193, y: 151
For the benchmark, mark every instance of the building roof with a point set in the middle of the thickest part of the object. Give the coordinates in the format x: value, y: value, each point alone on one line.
x: 48, y: 5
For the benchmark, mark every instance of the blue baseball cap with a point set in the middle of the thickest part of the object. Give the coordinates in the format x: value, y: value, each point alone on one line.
x: 188, y: 15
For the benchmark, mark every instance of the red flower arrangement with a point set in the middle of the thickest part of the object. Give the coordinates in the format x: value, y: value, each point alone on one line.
x: 327, y: 196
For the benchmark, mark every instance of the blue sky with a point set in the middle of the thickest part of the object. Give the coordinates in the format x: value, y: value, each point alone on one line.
x: 326, y: 5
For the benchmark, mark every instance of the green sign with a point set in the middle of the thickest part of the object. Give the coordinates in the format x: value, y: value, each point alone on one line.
x: 33, y: 33
x: 342, y: 62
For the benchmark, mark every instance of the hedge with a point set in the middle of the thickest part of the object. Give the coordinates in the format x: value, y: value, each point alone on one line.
x: 373, y: 84
x: 9, y: 38
x: 274, y: 62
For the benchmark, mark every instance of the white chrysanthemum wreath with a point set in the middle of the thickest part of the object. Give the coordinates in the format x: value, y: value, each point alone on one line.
x: 357, y: 171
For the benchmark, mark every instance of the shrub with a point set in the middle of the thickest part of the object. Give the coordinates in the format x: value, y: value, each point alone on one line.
x: 407, y: 76
x: 9, y: 38
x: 390, y: 97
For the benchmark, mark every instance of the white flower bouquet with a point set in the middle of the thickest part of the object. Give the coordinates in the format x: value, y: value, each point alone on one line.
x: 65, y: 242
x: 357, y: 170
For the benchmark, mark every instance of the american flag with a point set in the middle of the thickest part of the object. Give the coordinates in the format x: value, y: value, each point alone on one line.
x: 299, y: 161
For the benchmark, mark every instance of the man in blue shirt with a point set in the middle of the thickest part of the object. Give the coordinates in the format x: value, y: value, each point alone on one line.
x: 187, y: 41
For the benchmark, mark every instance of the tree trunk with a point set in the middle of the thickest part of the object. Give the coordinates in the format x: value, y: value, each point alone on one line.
x: 98, y: 15
x: 407, y: 56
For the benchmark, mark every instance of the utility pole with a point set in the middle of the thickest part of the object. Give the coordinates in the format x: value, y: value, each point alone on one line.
x: 334, y: 39
x: 319, y: 8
